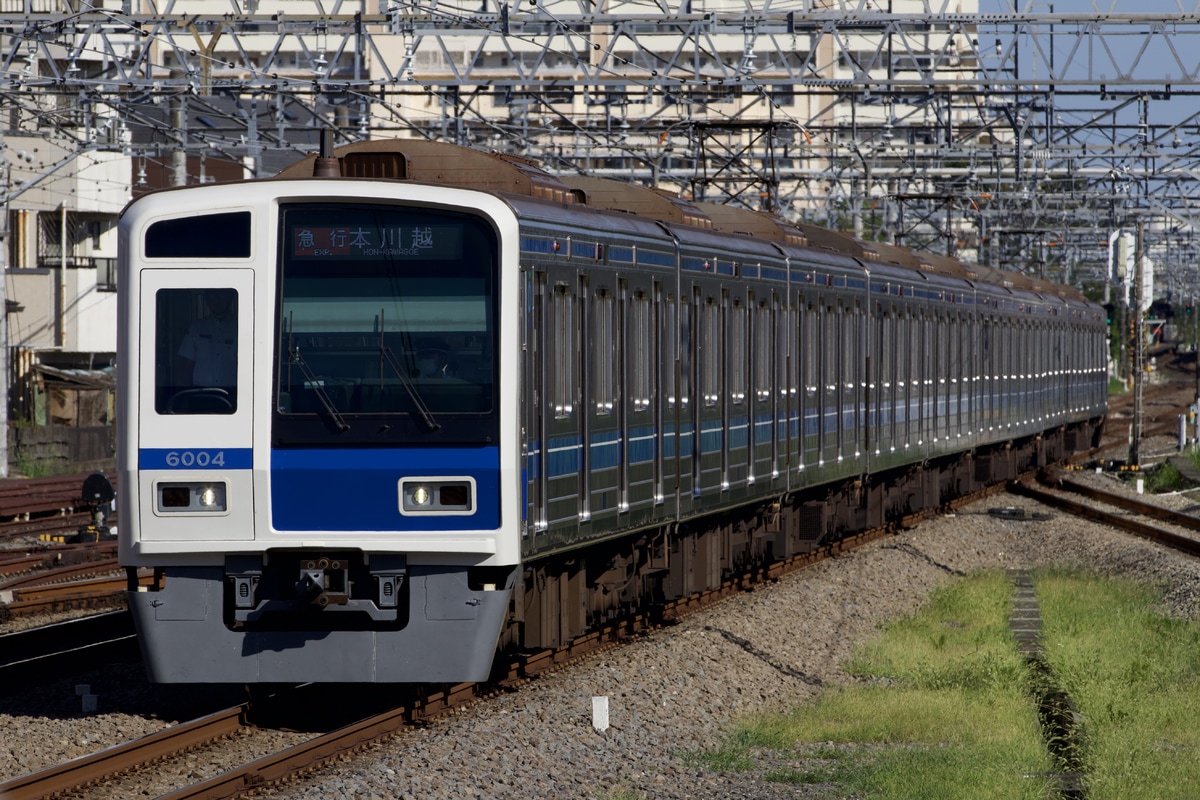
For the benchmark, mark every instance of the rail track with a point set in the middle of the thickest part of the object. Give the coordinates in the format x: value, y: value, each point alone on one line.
x: 74, y: 595
x: 421, y: 706
x: 34, y: 506
x: 1171, y: 528
x: 429, y: 703
x: 114, y: 761
x: 71, y: 544
x: 19, y: 562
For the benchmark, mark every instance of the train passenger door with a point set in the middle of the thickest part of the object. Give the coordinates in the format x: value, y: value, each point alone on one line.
x: 831, y: 378
x: 536, y: 353
x: 561, y: 459
x: 656, y: 357
x: 195, y: 404
x: 642, y: 421
x: 810, y: 379
x: 678, y: 346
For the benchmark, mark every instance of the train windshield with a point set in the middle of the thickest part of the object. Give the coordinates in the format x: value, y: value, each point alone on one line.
x: 386, y: 326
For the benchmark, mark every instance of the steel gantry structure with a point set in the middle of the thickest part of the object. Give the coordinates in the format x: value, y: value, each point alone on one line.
x: 1017, y: 135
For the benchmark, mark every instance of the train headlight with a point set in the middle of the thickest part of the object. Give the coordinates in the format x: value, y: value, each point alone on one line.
x: 181, y: 497
x: 451, y: 495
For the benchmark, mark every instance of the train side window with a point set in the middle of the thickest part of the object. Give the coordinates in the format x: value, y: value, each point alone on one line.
x: 640, y: 351
x: 195, y: 351
x: 739, y: 346
x: 205, y: 236
x: 605, y: 355
x: 564, y: 352
x: 670, y: 340
x: 763, y: 356
x: 710, y: 341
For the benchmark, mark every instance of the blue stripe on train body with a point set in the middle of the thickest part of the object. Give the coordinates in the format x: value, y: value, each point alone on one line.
x: 359, y: 489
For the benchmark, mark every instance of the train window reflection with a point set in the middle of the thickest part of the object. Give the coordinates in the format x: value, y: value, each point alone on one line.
x: 196, y: 351
x: 385, y: 311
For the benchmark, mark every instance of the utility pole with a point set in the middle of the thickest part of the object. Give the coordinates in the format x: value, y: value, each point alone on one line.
x: 1137, y: 349
x: 178, y: 112
x: 5, y: 188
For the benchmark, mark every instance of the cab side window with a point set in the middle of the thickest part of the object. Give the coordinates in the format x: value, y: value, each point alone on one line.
x: 196, y: 351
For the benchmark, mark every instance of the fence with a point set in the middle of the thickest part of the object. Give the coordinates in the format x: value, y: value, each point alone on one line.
x: 38, y: 450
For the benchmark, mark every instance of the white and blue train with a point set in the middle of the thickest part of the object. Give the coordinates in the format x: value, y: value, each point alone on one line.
x: 407, y: 402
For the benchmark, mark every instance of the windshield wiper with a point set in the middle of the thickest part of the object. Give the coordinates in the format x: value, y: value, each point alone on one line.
x: 406, y: 382
x: 322, y: 395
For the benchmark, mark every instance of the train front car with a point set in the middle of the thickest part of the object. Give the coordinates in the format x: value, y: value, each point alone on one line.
x: 318, y: 453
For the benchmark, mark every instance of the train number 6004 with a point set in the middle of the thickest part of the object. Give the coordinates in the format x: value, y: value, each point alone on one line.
x: 195, y: 458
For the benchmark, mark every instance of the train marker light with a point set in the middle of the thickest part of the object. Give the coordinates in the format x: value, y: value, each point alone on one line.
x: 183, y: 497
x: 449, y: 495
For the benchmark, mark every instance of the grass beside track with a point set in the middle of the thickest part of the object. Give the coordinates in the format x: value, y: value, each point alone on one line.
x: 1134, y: 674
x: 942, y: 708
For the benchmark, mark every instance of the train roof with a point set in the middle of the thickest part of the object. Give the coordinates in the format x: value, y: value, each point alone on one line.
x: 429, y: 161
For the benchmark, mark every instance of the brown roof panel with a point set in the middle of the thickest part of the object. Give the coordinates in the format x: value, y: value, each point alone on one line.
x: 633, y: 199
x: 735, y: 219
x: 438, y: 162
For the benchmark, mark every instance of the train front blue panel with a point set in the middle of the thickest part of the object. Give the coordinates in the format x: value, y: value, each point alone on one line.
x: 358, y: 489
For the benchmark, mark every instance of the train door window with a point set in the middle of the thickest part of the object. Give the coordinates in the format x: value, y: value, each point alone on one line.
x: 810, y: 354
x: 941, y: 382
x: 954, y: 373
x: 710, y: 353
x: 760, y: 384
x: 830, y: 356
x: 536, y: 344
x: 884, y: 417
x: 925, y: 377
x: 692, y: 344
x: 901, y: 348
x: 620, y: 389
x: 639, y: 353
x: 851, y: 377
x: 670, y: 350
x: 1006, y: 345
x: 604, y: 356
x: 586, y: 391
x: 654, y: 355
x: 1002, y: 344
x: 564, y: 352
x: 196, y: 352
x: 984, y: 393
x: 765, y: 365
x: 785, y: 313
x: 763, y: 351
x: 843, y: 376
x: 685, y: 350
x: 737, y: 353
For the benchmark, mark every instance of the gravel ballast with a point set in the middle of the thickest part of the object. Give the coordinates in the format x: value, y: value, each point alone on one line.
x: 674, y: 692
x: 679, y: 690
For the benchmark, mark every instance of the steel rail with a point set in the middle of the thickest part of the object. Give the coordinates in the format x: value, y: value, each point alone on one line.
x: 23, y: 525
x: 17, y: 561
x: 280, y: 766
x: 1057, y: 499
x: 123, y: 757
x: 66, y: 596
x: 60, y: 575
